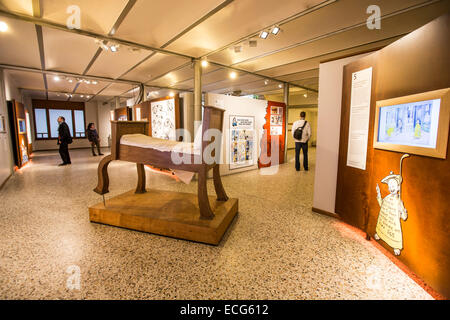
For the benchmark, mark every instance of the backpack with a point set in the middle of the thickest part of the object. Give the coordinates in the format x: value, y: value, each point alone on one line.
x: 298, y: 133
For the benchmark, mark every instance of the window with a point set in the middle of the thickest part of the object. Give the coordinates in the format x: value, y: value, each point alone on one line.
x: 46, y: 121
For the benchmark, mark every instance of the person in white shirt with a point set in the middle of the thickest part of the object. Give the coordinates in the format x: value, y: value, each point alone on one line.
x: 303, y: 142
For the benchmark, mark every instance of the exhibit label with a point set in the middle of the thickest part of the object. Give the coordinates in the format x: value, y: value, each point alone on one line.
x: 359, y: 118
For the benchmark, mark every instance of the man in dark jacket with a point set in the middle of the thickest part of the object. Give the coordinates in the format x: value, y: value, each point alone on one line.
x: 93, y: 138
x: 64, y: 139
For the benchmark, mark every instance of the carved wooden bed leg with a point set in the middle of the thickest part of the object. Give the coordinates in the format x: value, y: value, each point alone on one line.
x: 203, y: 201
x: 141, y: 178
x: 220, y: 191
x: 103, y: 178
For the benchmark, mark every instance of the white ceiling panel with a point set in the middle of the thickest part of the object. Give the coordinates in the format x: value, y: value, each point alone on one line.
x: 114, y: 64
x: 67, y: 52
x: 156, y: 22
x: 91, y: 88
x: 97, y: 16
x: 310, y: 26
x: 155, y: 66
x: 19, y: 6
x: 116, y: 89
x: 174, y: 77
x: 244, y: 79
x: 400, y: 24
x: 300, y: 75
x: 235, y: 21
x: 28, y: 80
x: 18, y: 45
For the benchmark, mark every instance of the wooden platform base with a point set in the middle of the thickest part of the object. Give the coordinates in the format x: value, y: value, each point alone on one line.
x: 166, y: 213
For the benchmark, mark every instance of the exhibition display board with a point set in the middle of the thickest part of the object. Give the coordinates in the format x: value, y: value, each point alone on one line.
x: 401, y: 199
x: 19, y: 131
x: 275, y: 132
x: 241, y: 144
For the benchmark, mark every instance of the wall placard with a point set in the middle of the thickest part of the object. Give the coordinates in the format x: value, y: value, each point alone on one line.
x: 242, y: 139
x: 359, y: 118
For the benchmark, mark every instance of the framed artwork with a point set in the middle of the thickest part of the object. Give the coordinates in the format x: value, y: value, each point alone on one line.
x: 2, y: 124
x: 163, y: 119
x: 21, y: 127
x: 242, y: 141
x: 415, y: 124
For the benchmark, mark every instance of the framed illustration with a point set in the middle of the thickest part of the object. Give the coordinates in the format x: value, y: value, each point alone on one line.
x: 163, y: 119
x: 21, y: 126
x: 242, y: 141
x: 415, y: 124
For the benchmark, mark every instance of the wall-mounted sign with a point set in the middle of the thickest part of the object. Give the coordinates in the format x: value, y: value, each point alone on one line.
x: 276, y: 121
x: 242, y: 139
x: 163, y: 119
x: 392, y: 209
x: 359, y: 118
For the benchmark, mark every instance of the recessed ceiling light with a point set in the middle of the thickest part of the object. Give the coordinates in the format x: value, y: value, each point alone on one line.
x: 205, y: 63
x: 275, y: 30
x: 3, y: 26
x: 263, y: 34
x: 233, y: 75
x: 56, y: 78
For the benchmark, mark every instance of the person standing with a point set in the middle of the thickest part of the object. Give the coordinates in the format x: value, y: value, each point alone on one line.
x: 301, y: 140
x: 64, y: 139
x: 93, y: 138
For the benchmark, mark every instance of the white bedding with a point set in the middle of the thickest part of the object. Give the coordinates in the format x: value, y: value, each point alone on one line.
x: 143, y: 141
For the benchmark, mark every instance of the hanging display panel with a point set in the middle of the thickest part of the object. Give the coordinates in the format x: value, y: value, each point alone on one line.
x: 242, y: 140
x: 163, y: 119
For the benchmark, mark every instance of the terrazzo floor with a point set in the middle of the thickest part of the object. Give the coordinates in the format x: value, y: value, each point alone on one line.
x: 276, y: 248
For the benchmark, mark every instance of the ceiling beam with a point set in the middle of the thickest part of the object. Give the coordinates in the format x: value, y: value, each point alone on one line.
x: 37, y: 12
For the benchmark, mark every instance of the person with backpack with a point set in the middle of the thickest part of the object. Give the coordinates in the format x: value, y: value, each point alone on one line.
x: 64, y: 139
x: 301, y: 132
x: 93, y: 138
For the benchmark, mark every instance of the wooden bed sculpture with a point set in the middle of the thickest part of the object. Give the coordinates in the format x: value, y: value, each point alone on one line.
x: 212, y: 119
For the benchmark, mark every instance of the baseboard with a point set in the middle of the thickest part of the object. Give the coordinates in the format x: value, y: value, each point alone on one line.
x: 326, y: 213
x: 6, y: 180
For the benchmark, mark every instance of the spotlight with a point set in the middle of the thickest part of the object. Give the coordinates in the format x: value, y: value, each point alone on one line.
x: 56, y: 78
x: 3, y: 26
x: 70, y: 80
x: 233, y: 75
x: 171, y: 94
x: 88, y: 97
x: 275, y: 30
x: 263, y: 34
x: 87, y: 81
x: 266, y: 82
x: 114, y: 47
x: 280, y: 86
x: 94, y: 82
x: 205, y: 63
x: 104, y: 46
x: 79, y: 80
x: 305, y: 95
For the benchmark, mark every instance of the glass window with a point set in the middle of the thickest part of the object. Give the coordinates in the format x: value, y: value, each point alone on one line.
x: 54, y: 114
x: 40, y: 116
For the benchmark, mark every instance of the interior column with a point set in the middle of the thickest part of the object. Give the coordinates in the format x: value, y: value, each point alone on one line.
x: 197, y: 94
x: 286, y: 101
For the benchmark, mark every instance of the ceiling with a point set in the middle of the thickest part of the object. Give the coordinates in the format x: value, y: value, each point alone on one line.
x: 159, y: 40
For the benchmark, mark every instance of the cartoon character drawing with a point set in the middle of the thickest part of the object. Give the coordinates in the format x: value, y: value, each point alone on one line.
x: 388, y: 227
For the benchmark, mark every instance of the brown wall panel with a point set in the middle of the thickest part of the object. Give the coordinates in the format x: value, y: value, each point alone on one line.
x: 417, y: 63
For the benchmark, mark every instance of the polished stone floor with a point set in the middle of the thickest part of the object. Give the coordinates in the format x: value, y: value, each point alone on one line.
x: 276, y: 248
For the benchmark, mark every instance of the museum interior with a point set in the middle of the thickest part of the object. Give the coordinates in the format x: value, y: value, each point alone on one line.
x: 224, y: 149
